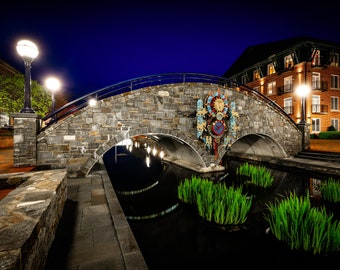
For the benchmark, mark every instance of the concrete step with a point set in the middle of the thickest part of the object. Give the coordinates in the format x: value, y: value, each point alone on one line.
x: 316, y: 155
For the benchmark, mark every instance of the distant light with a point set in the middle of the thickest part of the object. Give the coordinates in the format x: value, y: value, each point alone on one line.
x: 53, y: 84
x: 92, y: 102
x: 27, y: 50
x: 162, y: 154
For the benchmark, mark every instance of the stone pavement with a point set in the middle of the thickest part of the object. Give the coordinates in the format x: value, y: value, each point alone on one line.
x: 93, y: 232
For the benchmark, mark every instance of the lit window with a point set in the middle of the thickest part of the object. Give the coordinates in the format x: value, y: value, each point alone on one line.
x: 288, y: 105
x: 256, y: 74
x: 271, y: 86
x: 288, y: 61
x: 288, y: 84
x: 316, y: 107
x: 270, y: 69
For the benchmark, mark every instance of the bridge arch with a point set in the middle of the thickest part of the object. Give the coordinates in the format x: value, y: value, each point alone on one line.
x: 166, y: 114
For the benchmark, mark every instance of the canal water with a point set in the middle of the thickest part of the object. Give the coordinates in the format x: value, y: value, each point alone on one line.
x: 171, y: 234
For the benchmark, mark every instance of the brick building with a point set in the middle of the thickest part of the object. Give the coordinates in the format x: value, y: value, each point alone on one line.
x: 277, y: 69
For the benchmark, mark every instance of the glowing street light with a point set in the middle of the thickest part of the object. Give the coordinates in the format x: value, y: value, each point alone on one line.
x: 303, y: 91
x: 53, y: 84
x: 28, y: 52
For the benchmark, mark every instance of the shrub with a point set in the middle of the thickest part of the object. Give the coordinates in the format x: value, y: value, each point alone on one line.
x: 329, y: 135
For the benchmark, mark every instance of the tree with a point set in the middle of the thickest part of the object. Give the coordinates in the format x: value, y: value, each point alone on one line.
x: 12, y: 91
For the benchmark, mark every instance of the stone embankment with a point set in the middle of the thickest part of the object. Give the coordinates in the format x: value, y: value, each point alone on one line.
x: 29, y: 217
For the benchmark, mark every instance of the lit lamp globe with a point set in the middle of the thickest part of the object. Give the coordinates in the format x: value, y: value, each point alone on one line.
x: 53, y: 84
x: 303, y: 91
x: 28, y: 52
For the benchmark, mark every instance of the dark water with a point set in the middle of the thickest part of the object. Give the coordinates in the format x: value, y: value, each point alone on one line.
x: 171, y: 234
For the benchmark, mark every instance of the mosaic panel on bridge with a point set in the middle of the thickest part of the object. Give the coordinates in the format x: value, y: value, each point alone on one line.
x: 216, y: 121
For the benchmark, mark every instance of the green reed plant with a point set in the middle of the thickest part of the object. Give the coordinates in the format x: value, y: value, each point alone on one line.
x: 257, y: 175
x: 302, y: 227
x: 330, y: 190
x: 216, y: 202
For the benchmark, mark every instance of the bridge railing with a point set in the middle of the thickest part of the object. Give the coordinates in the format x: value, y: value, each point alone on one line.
x: 141, y: 82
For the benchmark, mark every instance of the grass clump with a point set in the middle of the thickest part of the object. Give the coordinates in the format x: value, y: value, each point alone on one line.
x: 216, y: 202
x: 330, y: 190
x: 303, y: 227
x: 257, y: 175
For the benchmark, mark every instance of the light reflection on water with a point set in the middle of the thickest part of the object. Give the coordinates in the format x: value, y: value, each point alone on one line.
x: 171, y: 234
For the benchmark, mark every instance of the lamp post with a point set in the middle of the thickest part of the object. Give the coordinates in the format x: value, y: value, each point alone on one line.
x: 303, y: 91
x: 28, y: 52
x: 53, y: 84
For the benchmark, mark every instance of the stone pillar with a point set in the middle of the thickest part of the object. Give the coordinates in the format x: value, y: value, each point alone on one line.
x: 25, y: 139
x: 305, y: 130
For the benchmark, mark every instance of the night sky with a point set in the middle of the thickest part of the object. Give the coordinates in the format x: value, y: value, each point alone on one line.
x: 91, y: 45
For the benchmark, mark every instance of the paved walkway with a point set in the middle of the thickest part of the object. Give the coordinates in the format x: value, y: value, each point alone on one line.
x: 93, y: 232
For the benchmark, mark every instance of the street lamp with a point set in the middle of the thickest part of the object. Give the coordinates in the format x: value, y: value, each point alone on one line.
x: 28, y: 52
x: 53, y: 84
x: 303, y: 91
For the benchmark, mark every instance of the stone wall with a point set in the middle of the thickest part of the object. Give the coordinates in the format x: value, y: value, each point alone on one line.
x: 29, y: 217
x: 78, y: 141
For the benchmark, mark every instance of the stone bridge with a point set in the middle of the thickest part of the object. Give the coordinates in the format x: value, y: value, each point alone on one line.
x: 166, y: 114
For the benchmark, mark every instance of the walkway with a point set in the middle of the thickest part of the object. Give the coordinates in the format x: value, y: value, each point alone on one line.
x: 93, y: 232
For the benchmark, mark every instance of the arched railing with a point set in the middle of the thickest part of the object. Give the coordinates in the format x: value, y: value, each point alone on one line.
x: 151, y: 80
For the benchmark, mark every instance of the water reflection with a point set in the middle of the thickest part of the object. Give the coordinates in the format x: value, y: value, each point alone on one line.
x: 172, y: 235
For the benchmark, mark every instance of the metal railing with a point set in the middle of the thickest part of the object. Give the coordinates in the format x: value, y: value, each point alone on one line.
x: 147, y: 81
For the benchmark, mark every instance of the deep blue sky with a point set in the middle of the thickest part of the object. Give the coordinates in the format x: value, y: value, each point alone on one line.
x: 91, y: 45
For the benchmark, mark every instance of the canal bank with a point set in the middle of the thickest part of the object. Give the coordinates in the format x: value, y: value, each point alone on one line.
x: 93, y: 232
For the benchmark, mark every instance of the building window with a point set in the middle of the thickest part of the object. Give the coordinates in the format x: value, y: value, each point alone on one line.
x: 288, y: 105
x: 316, y: 124
x: 316, y: 104
x: 335, y: 123
x: 288, y: 61
x: 335, y: 59
x: 316, y: 82
x: 335, y: 81
x: 288, y: 84
x: 334, y: 103
x: 244, y: 79
x: 256, y: 74
x: 316, y: 58
x: 270, y: 69
x: 271, y: 87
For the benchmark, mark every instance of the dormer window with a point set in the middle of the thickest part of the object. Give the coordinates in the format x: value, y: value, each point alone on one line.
x: 270, y: 69
x: 244, y: 79
x: 335, y: 59
x: 316, y: 58
x: 288, y: 61
x: 256, y: 75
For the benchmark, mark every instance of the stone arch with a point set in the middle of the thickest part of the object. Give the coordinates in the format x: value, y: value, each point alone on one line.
x: 176, y: 150
x: 258, y: 144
